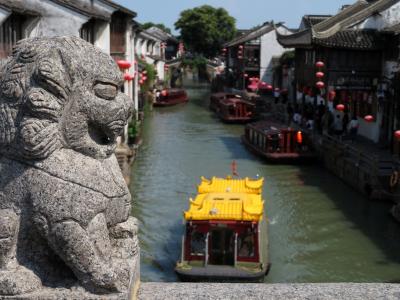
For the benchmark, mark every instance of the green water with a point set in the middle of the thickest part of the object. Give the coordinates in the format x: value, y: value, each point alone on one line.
x: 320, y: 229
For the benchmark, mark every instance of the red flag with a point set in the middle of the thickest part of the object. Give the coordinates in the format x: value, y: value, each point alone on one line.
x: 234, y: 168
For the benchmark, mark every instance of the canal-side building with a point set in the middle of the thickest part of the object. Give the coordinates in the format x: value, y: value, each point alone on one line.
x: 251, y: 54
x: 352, y: 47
x: 169, y: 44
x: 149, y: 48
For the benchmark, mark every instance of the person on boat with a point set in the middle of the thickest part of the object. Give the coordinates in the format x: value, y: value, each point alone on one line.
x: 246, y: 244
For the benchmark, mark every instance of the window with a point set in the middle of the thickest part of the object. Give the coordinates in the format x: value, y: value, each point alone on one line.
x: 117, y: 33
x: 10, y: 33
x: 87, y: 31
x: 246, y: 244
x: 197, y: 243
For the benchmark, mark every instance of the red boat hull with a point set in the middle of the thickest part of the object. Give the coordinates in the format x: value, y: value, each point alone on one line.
x: 173, y: 98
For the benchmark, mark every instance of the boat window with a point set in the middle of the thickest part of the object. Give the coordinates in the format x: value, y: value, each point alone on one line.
x: 246, y: 244
x: 197, y: 243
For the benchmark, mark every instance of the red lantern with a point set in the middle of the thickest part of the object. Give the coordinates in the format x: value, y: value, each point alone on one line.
x: 299, y: 137
x: 246, y: 75
x: 369, y: 118
x: 319, y: 74
x: 240, y: 57
x: 128, y: 77
x: 319, y: 64
x: 141, y: 81
x: 123, y: 64
x: 340, y: 107
x: 397, y: 134
x: 224, y: 49
x: 144, y: 78
x: 144, y: 72
x: 320, y: 84
x: 269, y: 87
x: 164, y: 93
x: 241, y: 47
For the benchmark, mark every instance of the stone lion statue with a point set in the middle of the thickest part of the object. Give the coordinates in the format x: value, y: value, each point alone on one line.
x: 64, y: 206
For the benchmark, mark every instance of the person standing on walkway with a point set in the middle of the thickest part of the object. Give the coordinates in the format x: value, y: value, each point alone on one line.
x: 353, y: 128
x: 338, y: 126
x: 345, y: 122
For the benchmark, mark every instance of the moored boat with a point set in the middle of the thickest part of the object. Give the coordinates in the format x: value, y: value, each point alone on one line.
x: 234, y: 110
x: 278, y: 143
x: 216, y: 98
x: 169, y: 97
x: 226, y: 236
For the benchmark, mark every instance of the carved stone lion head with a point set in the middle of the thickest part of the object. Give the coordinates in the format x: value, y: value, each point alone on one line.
x: 60, y: 92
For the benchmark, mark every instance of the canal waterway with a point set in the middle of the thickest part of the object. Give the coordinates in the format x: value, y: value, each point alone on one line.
x: 320, y: 229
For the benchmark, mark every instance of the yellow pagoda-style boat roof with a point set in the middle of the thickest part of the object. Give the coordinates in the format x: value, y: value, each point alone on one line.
x: 227, y: 199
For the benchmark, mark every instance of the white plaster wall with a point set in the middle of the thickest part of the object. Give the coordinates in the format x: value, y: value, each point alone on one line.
x: 370, y: 130
x: 102, y: 36
x: 388, y: 17
x: 56, y: 20
x: 269, y: 48
x: 4, y: 14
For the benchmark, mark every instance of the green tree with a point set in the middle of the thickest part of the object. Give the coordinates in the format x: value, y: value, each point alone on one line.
x: 205, y: 29
x: 147, y: 25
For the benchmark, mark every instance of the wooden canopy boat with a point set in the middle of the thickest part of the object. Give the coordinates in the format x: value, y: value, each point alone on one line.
x: 225, y: 235
x: 233, y: 110
x: 216, y: 98
x: 169, y: 97
x: 278, y: 143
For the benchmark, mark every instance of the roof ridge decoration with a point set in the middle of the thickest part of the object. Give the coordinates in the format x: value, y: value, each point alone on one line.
x: 351, y: 15
x: 253, y: 34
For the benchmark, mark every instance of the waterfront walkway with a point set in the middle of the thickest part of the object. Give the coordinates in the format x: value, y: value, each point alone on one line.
x: 222, y: 291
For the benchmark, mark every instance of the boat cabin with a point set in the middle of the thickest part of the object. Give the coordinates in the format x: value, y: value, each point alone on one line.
x: 169, y: 97
x: 216, y: 98
x: 234, y: 110
x: 225, y: 236
x: 278, y: 143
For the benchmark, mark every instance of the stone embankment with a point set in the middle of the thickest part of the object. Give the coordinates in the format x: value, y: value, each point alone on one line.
x: 222, y: 291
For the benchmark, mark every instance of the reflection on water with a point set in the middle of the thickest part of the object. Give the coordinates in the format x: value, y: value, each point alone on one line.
x: 320, y: 229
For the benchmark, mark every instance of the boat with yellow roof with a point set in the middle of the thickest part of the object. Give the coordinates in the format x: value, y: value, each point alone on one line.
x: 225, y: 235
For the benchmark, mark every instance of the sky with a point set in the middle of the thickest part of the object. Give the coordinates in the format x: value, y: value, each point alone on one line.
x: 248, y: 13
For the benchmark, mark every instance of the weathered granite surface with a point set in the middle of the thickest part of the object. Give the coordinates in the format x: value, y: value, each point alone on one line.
x: 224, y: 291
x: 64, y: 205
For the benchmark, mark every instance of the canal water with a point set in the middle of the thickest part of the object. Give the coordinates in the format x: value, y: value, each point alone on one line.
x: 320, y: 229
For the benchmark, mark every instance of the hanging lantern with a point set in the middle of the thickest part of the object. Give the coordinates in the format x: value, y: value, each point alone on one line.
x: 397, y: 134
x: 128, y: 77
x: 319, y: 64
x: 164, y: 93
x: 246, y: 75
x: 319, y: 74
x: 299, y: 137
x: 320, y: 84
x: 332, y: 95
x: 241, y: 47
x: 269, y: 87
x: 369, y: 118
x: 144, y: 72
x: 224, y: 50
x: 340, y: 107
x: 141, y: 81
x: 123, y: 64
x: 240, y: 57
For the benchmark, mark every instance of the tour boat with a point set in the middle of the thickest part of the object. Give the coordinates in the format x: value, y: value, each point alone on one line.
x: 278, y: 143
x: 234, y: 110
x: 169, y: 97
x: 226, y: 238
x: 216, y: 98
